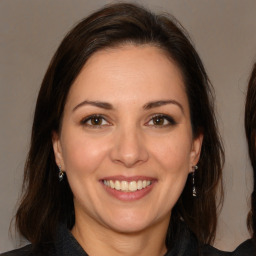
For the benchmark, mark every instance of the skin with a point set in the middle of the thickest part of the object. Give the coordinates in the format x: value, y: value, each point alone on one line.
x: 129, y: 142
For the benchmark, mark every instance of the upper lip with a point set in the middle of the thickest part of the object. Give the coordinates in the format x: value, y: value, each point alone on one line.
x: 125, y: 178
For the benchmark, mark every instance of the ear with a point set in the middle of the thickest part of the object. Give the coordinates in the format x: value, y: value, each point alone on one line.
x: 196, y: 150
x: 57, y: 149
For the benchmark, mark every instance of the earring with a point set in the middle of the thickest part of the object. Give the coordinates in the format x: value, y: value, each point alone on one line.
x: 194, y: 192
x: 61, y: 174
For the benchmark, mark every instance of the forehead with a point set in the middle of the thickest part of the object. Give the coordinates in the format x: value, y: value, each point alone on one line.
x: 127, y: 71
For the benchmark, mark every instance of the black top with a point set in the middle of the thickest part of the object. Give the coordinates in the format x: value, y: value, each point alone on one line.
x: 66, y: 245
x: 247, y: 248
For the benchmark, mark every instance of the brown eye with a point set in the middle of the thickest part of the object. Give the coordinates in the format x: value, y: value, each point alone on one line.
x: 96, y: 120
x: 161, y: 121
x: 158, y: 120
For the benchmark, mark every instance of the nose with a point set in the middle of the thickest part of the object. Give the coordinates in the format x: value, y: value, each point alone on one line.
x: 129, y: 148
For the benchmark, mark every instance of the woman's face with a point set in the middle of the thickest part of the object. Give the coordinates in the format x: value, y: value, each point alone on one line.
x: 126, y: 141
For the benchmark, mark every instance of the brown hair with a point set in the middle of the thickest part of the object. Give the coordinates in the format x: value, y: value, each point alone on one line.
x: 46, y: 201
x: 250, y: 129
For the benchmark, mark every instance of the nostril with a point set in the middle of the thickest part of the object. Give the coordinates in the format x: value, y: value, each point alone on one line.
x: 129, y: 149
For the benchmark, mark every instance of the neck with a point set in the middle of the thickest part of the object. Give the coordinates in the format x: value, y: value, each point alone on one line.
x: 98, y: 240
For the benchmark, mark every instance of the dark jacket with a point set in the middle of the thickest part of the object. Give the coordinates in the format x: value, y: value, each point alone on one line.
x: 247, y: 248
x: 66, y: 245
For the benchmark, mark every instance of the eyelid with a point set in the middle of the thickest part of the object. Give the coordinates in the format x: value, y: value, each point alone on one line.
x: 170, y: 119
x: 88, y: 118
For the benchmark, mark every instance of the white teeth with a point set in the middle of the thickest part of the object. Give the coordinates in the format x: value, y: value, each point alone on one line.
x: 117, y: 185
x: 139, y: 184
x: 127, y: 186
x: 124, y: 185
x: 133, y: 186
x: 112, y: 184
x: 107, y: 183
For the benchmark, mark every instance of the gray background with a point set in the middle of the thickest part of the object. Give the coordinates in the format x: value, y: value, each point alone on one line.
x: 224, y: 33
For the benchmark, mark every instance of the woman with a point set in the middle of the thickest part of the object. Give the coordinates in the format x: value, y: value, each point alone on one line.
x: 125, y: 156
x: 247, y: 248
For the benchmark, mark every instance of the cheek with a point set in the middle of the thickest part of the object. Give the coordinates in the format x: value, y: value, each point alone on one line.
x: 173, y: 153
x: 83, y: 155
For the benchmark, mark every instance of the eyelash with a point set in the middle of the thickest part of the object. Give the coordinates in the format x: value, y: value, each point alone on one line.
x: 166, y: 118
x: 90, y: 118
x: 169, y: 119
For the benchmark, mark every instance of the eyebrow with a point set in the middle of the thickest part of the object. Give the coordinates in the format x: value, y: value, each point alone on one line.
x: 159, y: 103
x: 98, y: 104
x: 149, y: 105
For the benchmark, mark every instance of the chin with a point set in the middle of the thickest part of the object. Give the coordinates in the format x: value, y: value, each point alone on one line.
x: 130, y: 223
x: 128, y: 228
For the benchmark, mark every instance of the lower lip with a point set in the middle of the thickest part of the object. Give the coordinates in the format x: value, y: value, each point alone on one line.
x: 129, y: 196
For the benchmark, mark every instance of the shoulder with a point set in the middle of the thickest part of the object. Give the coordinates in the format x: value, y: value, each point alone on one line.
x: 29, y: 250
x: 209, y: 250
x: 247, y: 248
x: 24, y: 251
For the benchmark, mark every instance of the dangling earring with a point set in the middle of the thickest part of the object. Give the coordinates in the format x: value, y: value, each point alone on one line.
x: 61, y: 174
x: 194, y: 192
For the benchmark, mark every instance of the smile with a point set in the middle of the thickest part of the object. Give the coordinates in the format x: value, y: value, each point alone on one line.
x: 127, y: 186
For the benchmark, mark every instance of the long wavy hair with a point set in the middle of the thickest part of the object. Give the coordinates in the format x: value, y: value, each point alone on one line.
x: 45, y: 201
x: 250, y: 129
